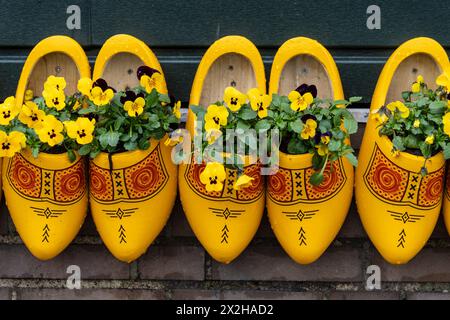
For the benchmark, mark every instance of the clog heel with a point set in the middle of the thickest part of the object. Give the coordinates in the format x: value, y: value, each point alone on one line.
x: 398, y: 207
x: 132, y: 193
x: 224, y: 222
x: 305, y: 218
x: 47, y: 196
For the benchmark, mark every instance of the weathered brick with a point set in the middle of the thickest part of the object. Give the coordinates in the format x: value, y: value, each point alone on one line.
x: 428, y: 296
x: 3, y: 217
x: 265, y: 230
x: 268, y: 295
x: 195, y: 294
x: 5, y: 293
x: 271, y: 263
x: 178, y: 224
x: 86, y: 294
x: 94, y: 260
x: 362, y: 295
x: 88, y: 228
x: 431, y: 264
x: 440, y: 232
x: 352, y: 227
x: 173, y: 262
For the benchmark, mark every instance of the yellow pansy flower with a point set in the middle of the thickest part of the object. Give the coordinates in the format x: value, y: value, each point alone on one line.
x: 322, y: 149
x: 12, y: 143
x: 234, y: 98
x: 392, y: 106
x: 173, y: 141
x: 81, y: 130
x: 54, y: 98
x: 446, y: 122
x: 31, y: 115
x: 134, y: 108
x: 51, y: 131
x: 212, y: 135
x: 213, y: 176
x: 215, y: 117
x: 100, y: 97
x: 325, y: 139
x: 416, y: 85
x: 243, y: 182
x: 84, y: 85
x: 429, y: 139
x: 29, y: 95
x: 152, y: 82
x: 177, y: 109
x: 443, y: 81
x: 404, y: 110
x: 259, y: 102
x: 8, y: 111
x: 309, y: 129
x: 416, y: 123
x: 52, y: 82
x: 299, y: 102
x: 381, y: 118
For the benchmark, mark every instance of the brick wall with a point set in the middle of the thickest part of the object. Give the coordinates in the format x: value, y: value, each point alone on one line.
x: 177, y: 267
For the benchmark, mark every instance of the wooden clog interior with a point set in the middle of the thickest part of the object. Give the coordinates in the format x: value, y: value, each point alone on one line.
x: 57, y: 64
x: 407, y: 72
x: 228, y: 70
x: 120, y: 71
x: 305, y: 69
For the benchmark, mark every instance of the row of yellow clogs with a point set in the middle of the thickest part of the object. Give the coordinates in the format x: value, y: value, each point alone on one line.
x: 305, y: 219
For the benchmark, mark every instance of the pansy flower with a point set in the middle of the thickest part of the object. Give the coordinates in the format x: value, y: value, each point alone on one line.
x: 213, y: 176
x: 150, y: 79
x: 446, y: 122
x: 54, y: 98
x: 11, y: 143
x: 309, y: 129
x: 81, y: 130
x: 300, y: 102
x: 234, y: 99
x: 259, y: 102
x: 133, y: 103
x: 8, y: 111
x: 415, y: 88
x: 243, y: 182
x: 215, y: 117
x: 31, y: 115
x: 28, y: 95
x: 304, y: 88
x: 177, y: 109
x: 51, y: 131
x: 57, y: 83
x: 443, y: 81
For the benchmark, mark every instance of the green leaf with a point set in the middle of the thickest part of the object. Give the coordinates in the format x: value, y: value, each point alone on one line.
x: 354, y: 99
x: 144, y: 144
x: 263, y: 124
x: 71, y: 155
x: 164, y: 98
x: 247, y: 114
x: 316, y: 178
x: 87, y: 110
x: 242, y: 125
x: 398, y: 143
x: 352, y: 159
x: 438, y: 107
x: 350, y: 125
x: 84, y: 150
x: 334, y: 145
x: 130, y: 146
x: 296, y: 126
x: 118, y: 123
x: 296, y: 146
x: 446, y: 150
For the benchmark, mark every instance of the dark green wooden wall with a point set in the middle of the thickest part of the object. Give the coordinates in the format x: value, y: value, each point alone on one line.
x: 180, y: 31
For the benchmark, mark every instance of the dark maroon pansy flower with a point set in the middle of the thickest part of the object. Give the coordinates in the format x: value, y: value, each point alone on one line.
x: 304, y: 88
x: 307, y: 117
x: 102, y: 84
x: 144, y: 70
x: 130, y: 96
x: 317, y: 137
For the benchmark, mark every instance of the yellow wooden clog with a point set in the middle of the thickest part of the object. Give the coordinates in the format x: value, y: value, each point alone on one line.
x: 132, y: 200
x: 304, y: 218
x: 224, y: 222
x: 398, y: 207
x: 47, y: 196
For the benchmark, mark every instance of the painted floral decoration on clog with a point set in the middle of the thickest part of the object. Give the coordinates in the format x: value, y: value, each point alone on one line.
x: 51, y: 123
x: 420, y: 124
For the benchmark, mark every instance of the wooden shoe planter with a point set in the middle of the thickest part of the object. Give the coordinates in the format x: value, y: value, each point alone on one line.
x: 131, y: 193
x: 398, y: 207
x: 47, y: 196
x: 305, y: 218
x: 224, y: 222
